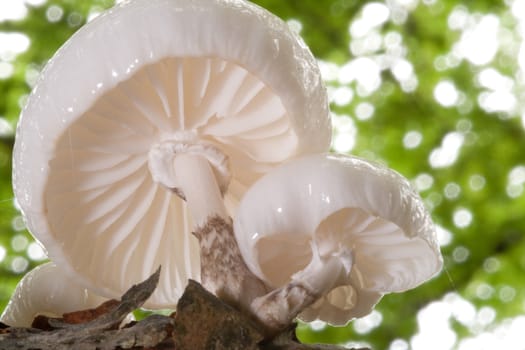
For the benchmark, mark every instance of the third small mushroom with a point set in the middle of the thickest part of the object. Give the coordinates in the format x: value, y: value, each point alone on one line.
x: 152, y: 122
x: 332, y: 234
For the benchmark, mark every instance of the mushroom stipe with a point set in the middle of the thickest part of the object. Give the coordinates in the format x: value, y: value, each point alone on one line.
x: 225, y: 274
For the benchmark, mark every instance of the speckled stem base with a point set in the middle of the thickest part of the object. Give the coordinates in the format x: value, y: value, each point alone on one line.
x: 225, y: 274
x: 223, y: 271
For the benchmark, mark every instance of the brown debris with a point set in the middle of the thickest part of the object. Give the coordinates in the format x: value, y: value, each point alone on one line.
x: 202, y: 322
x: 76, y: 317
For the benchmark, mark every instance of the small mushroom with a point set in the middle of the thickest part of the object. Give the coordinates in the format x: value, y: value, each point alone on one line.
x: 333, y: 233
x: 153, y: 118
x: 46, y: 290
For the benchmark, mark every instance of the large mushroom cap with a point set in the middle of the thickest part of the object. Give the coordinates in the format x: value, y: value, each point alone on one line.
x: 223, y: 72
x: 340, y: 205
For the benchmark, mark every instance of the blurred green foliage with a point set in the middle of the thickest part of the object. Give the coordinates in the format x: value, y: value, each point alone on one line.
x: 476, y: 199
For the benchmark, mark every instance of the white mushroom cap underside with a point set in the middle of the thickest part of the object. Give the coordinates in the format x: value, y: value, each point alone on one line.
x: 225, y: 72
x: 46, y: 290
x: 338, y: 200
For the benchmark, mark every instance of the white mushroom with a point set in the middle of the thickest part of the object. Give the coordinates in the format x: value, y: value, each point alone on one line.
x: 153, y: 98
x: 335, y: 230
x: 46, y: 290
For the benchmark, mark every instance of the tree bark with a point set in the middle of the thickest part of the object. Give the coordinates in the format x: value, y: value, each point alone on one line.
x: 201, y: 321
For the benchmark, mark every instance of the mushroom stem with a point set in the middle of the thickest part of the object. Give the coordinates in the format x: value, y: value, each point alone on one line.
x: 278, y: 309
x: 223, y: 270
x: 325, y: 273
x: 197, y: 181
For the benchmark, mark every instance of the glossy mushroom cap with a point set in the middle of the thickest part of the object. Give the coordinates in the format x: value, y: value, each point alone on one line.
x: 222, y: 75
x: 318, y: 208
x: 46, y: 290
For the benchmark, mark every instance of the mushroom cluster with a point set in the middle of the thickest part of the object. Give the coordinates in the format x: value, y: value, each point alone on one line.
x: 159, y: 121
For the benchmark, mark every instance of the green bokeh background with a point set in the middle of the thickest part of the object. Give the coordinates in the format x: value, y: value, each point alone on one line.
x: 485, y: 255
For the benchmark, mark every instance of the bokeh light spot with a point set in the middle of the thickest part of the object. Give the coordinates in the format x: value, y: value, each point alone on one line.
x: 19, y: 242
x: 516, y: 181
x: 423, y: 182
x: 345, y: 133
x: 342, y: 96
x: 317, y: 325
x: 507, y: 294
x: 295, y: 25
x: 364, y: 111
x: 54, y: 13
x: 399, y: 344
x: 412, y: 139
x: 462, y: 217
x: 460, y: 254
x: 19, y: 264
x: 13, y: 44
x: 479, y: 41
x: 366, y: 324
x: 12, y: 10
x: 452, y: 190
x: 35, y: 252
x: 491, y: 265
x: 477, y: 182
x: 447, y: 154
x: 6, y: 70
x: 486, y: 315
x: 18, y: 223
x: 444, y: 236
x: 446, y: 93
x: 484, y: 291
x: 3, y: 253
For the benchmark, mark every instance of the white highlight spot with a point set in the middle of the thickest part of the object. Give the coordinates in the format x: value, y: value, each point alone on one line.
x: 516, y: 181
x: 447, y: 154
x: 345, y: 133
x: 329, y: 70
x: 444, y: 236
x: 12, y: 44
x: 54, y: 13
x: 317, y: 325
x: 484, y: 291
x: 497, y: 101
x: 35, y: 252
x: 364, y: 111
x: 399, y: 344
x: 446, y: 93
x: 295, y: 25
x: 412, y: 139
x: 19, y: 264
x: 479, y: 41
x: 435, y: 332
x: 423, y: 182
x: 365, y: 71
x: 6, y: 70
x: 3, y: 253
x: 19, y: 243
x: 477, y: 182
x: 12, y: 10
x: 342, y: 96
x: 491, y: 265
x: 366, y: 324
x: 458, y: 18
x: 460, y: 254
x: 373, y: 15
x: 507, y: 294
x: 462, y: 218
x: 452, y: 190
